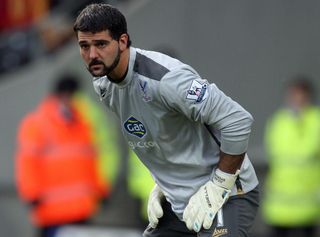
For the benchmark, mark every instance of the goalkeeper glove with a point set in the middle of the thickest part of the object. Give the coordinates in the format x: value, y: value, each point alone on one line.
x: 208, y: 200
x: 154, y: 206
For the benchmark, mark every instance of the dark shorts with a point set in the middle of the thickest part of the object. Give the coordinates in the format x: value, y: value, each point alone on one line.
x: 233, y: 220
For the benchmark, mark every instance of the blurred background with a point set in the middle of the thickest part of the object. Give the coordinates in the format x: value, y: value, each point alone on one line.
x: 250, y: 49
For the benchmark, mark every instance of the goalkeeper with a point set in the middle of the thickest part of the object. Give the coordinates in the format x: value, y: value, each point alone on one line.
x: 188, y: 133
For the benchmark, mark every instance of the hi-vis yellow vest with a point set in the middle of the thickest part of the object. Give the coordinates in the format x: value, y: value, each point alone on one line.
x: 140, y: 182
x: 105, y: 135
x: 292, y: 187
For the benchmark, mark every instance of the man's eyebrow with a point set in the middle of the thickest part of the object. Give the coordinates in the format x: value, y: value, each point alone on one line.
x: 94, y: 41
x: 101, y: 41
x: 83, y: 42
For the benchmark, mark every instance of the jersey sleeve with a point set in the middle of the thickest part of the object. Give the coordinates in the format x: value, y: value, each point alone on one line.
x: 185, y: 92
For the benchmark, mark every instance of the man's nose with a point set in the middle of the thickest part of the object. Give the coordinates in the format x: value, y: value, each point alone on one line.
x: 93, y: 53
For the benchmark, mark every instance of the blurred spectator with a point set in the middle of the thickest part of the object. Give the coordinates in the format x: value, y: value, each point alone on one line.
x: 291, y: 205
x: 56, y: 162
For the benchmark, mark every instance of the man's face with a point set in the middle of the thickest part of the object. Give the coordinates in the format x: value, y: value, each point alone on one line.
x: 297, y: 98
x: 99, y: 51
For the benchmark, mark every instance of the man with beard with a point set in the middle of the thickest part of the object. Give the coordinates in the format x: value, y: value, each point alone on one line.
x: 188, y: 133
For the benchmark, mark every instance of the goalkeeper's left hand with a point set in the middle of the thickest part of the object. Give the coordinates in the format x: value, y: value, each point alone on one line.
x: 207, y: 201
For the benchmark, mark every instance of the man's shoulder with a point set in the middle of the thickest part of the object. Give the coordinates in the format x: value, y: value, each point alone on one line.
x: 31, y: 120
x: 155, y: 65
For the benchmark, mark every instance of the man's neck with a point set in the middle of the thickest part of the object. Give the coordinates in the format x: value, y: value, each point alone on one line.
x: 118, y: 80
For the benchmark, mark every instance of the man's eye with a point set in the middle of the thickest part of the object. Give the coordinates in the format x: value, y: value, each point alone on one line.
x: 84, y: 46
x: 101, y: 44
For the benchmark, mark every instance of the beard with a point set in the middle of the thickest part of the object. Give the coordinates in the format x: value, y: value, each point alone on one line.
x: 106, y: 70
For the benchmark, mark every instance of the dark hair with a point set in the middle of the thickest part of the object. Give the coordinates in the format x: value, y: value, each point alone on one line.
x: 66, y: 84
x: 99, y: 17
x: 302, y: 82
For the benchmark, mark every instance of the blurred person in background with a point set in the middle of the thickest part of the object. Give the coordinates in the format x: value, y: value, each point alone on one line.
x: 56, y: 162
x: 191, y: 136
x: 292, y: 141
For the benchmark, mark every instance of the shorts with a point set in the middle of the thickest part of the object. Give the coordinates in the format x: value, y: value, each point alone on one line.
x: 235, y: 219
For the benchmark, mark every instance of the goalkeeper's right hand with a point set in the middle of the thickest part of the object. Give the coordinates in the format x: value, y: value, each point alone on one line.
x: 154, y: 206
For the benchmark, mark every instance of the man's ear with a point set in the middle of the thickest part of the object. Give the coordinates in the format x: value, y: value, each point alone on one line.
x: 123, y: 41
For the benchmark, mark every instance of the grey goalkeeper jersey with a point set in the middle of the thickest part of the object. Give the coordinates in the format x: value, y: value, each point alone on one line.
x: 176, y: 122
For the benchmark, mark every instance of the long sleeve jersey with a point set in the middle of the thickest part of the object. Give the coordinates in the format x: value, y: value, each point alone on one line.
x: 177, y: 123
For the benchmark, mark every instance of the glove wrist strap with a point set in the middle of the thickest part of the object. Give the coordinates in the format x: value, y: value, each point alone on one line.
x: 225, y: 180
x: 158, y: 191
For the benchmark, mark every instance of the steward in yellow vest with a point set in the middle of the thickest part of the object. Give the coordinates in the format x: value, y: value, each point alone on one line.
x: 292, y: 142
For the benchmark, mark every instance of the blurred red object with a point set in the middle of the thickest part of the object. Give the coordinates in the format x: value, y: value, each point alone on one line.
x: 21, y: 13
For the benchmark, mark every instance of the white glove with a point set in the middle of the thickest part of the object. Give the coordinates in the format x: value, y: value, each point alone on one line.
x: 207, y: 201
x: 154, y: 206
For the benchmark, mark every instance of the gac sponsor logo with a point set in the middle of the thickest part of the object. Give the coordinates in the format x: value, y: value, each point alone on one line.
x: 142, y: 144
x: 134, y: 127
